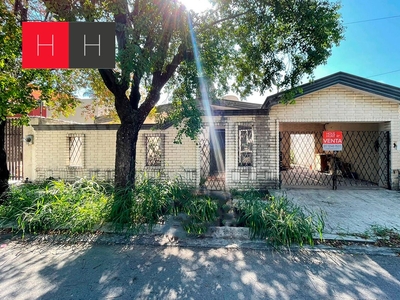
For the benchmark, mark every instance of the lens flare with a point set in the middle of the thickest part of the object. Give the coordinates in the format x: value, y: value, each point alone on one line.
x: 206, y: 102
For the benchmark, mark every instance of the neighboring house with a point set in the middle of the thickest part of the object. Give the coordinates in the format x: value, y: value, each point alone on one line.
x: 245, y: 145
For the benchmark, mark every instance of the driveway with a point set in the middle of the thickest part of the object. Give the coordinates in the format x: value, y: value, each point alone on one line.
x: 350, y: 211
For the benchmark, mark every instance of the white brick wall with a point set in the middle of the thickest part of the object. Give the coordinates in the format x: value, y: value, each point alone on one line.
x: 177, y: 159
x: 347, y: 108
x: 51, y: 151
x: 342, y: 107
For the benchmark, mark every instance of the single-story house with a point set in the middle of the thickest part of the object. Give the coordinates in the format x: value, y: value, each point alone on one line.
x: 246, y: 145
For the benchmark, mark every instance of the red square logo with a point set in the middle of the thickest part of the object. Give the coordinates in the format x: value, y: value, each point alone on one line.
x: 45, y: 45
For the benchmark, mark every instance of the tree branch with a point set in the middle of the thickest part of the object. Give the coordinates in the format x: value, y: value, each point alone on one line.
x: 228, y: 18
x: 134, y: 96
x: 109, y: 80
x: 160, y: 79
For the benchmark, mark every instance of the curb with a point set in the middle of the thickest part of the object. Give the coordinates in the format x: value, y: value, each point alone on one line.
x: 217, y: 237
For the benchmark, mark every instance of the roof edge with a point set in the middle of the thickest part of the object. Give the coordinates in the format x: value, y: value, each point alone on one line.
x: 353, y: 81
x: 71, y: 127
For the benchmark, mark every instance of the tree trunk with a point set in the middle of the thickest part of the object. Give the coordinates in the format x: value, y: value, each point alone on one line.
x: 125, y: 159
x: 4, y: 173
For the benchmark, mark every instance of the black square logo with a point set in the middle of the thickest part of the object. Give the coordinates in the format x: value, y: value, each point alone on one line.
x: 92, y: 45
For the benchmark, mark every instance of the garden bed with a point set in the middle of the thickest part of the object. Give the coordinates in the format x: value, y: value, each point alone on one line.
x: 84, y: 205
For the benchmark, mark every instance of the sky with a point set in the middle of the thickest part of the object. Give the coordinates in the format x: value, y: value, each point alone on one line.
x: 371, y: 47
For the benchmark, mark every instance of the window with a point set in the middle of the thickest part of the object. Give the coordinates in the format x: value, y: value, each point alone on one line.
x: 75, y: 150
x: 153, y: 151
x: 245, y: 146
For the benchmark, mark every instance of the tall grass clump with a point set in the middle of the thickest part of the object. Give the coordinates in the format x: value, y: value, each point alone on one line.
x: 201, y: 213
x: 152, y: 200
x: 279, y: 221
x: 55, y: 205
x: 146, y: 204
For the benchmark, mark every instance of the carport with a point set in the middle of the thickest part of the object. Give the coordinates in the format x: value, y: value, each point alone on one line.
x: 363, y: 162
x: 366, y: 112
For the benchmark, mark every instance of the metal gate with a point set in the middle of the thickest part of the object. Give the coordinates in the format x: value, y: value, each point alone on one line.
x: 212, y: 164
x: 364, y: 161
x: 13, y: 146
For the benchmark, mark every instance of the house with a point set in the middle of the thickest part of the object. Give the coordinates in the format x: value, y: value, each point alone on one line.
x: 245, y: 145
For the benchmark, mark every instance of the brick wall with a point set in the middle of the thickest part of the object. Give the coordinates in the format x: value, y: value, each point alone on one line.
x: 334, y: 108
x: 178, y: 160
x: 49, y: 155
x: 262, y: 173
x: 341, y: 108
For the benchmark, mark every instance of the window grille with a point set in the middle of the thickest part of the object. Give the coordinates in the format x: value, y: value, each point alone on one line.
x: 154, y: 151
x: 75, y: 143
x: 245, y: 146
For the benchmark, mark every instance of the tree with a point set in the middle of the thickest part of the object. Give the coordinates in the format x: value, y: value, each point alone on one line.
x: 254, y: 43
x: 17, y: 85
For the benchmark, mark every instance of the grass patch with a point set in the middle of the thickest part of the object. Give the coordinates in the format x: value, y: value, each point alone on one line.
x: 250, y: 194
x: 279, y: 221
x: 201, y: 212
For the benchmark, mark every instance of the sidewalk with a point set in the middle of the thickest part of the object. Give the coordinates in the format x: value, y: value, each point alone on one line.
x: 350, y: 211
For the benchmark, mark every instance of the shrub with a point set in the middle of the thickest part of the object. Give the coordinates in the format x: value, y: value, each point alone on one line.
x: 153, y: 199
x: 201, y: 212
x: 55, y: 205
x: 279, y: 221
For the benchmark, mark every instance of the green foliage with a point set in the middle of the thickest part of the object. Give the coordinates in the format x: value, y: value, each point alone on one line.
x: 279, y: 221
x: 153, y: 199
x: 17, y: 85
x: 78, y: 207
x: 120, y: 207
x: 146, y: 204
x: 201, y: 213
x: 266, y: 44
x: 55, y: 205
x: 151, y: 202
x: 186, y: 117
x: 250, y: 194
x: 383, y: 231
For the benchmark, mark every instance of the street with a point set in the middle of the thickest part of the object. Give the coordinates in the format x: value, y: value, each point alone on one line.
x: 62, y: 271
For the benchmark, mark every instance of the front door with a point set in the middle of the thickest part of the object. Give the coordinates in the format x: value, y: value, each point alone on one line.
x: 217, y: 153
x: 212, y: 170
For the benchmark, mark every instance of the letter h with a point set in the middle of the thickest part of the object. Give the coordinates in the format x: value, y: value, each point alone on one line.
x: 38, y: 45
x: 84, y: 45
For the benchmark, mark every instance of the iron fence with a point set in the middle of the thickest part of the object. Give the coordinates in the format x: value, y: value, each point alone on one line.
x: 212, y: 161
x: 364, y: 160
x: 14, y: 149
x: 188, y: 176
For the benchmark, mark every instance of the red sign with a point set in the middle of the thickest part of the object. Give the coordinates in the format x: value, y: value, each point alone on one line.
x: 45, y: 45
x: 332, y: 140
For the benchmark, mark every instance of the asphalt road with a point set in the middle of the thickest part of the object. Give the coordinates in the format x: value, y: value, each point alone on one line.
x: 50, y: 271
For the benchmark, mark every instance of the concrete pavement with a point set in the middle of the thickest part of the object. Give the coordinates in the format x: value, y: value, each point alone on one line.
x: 350, y: 211
x: 38, y: 270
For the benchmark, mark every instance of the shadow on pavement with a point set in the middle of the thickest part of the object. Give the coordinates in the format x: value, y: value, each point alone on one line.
x: 49, y: 271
